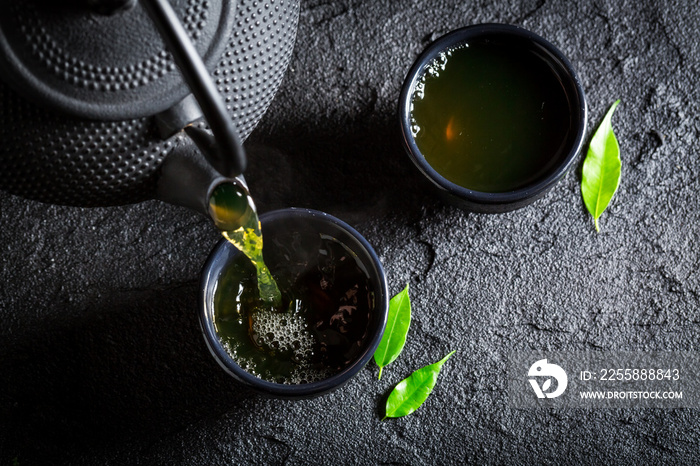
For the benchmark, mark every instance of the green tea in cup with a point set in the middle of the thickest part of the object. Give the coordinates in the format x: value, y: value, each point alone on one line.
x: 323, y: 325
x: 490, y: 116
x: 493, y: 115
x: 299, y: 309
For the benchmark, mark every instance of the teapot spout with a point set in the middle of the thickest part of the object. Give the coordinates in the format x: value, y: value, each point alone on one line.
x: 187, y: 179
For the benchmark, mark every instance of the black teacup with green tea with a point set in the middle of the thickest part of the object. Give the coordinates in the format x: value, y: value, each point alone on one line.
x: 329, y: 318
x: 493, y: 115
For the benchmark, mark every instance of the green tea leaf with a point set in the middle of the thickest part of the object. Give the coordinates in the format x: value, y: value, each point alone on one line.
x: 397, y: 324
x: 411, y: 392
x: 601, y: 169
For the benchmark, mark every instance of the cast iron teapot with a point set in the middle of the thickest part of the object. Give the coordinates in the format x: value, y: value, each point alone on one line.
x: 93, y: 103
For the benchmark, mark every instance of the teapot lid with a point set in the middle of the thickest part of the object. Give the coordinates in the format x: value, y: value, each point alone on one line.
x: 77, y: 60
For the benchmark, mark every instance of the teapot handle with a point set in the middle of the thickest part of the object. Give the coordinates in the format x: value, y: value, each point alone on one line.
x: 226, y: 153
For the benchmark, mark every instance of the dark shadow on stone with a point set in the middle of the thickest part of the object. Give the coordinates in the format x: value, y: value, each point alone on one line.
x: 356, y: 168
x: 578, y: 172
x: 134, y: 370
x: 380, y: 409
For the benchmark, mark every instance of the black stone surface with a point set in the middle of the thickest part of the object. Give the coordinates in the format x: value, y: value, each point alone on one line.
x: 101, y: 356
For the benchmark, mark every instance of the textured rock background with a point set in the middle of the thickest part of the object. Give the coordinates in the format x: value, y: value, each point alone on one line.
x: 101, y: 358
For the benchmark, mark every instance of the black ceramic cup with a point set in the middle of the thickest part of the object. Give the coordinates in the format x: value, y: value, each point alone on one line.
x: 494, y: 202
x: 285, y: 222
